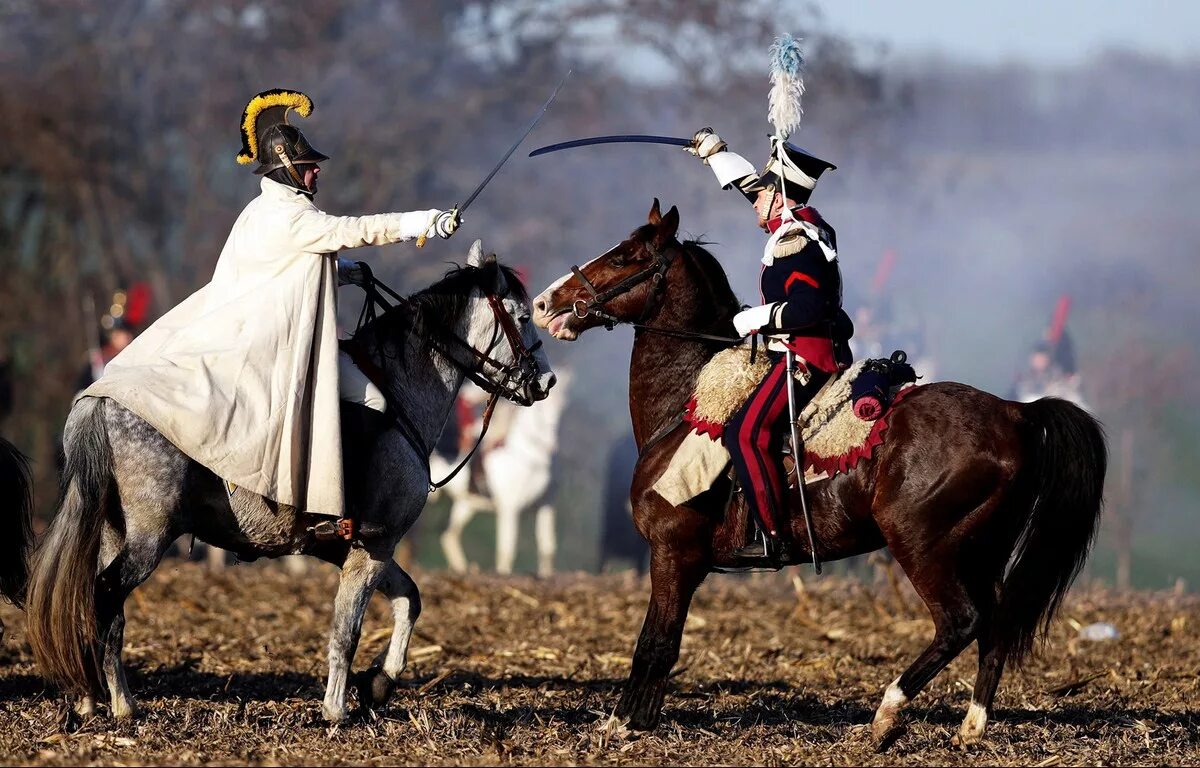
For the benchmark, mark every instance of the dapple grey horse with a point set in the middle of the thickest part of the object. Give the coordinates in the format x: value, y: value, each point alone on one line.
x: 129, y: 493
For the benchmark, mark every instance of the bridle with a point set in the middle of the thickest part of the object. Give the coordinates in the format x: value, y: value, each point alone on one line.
x: 655, y: 272
x: 513, y: 380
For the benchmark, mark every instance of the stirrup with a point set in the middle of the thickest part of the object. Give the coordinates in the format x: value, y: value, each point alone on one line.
x: 346, y: 529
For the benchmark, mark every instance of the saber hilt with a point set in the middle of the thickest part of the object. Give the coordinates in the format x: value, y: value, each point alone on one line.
x: 798, y: 458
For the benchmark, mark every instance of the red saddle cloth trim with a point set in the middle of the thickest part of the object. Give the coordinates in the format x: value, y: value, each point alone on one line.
x: 709, y: 429
x: 829, y: 464
x: 850, y: 459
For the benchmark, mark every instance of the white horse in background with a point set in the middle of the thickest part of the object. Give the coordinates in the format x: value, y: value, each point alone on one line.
x: 517, y: 479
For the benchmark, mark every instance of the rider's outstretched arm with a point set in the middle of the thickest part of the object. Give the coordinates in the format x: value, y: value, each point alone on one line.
x: 313, y: 231
x: 731, y: 169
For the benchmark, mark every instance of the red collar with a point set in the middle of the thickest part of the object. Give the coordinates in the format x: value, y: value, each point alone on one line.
x: 801, y: 212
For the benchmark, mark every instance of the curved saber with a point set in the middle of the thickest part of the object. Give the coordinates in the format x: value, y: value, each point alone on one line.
x: 634, y: 138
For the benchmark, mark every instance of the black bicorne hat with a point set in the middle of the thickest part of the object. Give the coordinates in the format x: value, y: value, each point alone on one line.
x: 797, y: 169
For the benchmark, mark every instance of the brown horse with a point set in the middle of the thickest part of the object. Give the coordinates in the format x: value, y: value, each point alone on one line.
x: 989, y: 506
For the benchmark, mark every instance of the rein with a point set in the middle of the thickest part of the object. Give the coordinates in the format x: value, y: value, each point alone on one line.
x: 516, y: 376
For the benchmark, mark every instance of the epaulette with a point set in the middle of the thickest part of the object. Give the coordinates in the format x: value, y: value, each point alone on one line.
x: 791, y: 243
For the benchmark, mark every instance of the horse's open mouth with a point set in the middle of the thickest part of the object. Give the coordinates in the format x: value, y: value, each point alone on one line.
x: 559, y: 326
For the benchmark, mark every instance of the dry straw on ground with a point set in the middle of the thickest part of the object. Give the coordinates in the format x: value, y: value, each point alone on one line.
x: 230, y: 669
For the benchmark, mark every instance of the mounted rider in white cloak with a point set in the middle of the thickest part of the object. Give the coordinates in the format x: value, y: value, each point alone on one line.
x: 245, y: 375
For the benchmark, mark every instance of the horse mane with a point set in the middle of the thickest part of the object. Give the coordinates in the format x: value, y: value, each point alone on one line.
x: 441, y: 305
x: 725, y: 301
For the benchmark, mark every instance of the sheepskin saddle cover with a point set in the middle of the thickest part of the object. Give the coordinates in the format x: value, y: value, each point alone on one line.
x: 829, y: 428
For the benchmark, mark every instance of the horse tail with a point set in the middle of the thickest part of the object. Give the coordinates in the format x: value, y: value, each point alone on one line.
x: 61, y: 605
x: 1063, y: 483
x: 16, y: 529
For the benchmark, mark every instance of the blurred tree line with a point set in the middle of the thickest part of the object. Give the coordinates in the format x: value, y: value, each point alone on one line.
x: 119, y: 124
x: 1000, y: 187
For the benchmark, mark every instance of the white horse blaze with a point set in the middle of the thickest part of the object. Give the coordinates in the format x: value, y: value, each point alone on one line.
x: 544, y: 297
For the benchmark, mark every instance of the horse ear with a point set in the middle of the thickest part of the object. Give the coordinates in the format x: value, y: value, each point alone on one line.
x: 655, y: 214
x: 668, y: 226
x: 475, y: 255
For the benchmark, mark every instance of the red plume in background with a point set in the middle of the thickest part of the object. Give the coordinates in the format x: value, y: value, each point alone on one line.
x: 883, y: 272
x: 1059, y: 323
x: 137, y: 304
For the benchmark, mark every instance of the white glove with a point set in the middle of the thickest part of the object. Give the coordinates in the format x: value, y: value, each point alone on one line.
x: 750, y: 320
x: 705, y: 144
x: 446, y: 222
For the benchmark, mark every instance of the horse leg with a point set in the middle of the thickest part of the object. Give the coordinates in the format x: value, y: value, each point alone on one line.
x: 508, y: 520
x: 461, y: 512
x: 361, y: 573
x: 547, y: 542
x: 122, y: 576
x: 987, y: 680
x: 674, y: 577
x: 955, y: 621
x: 379, y: 681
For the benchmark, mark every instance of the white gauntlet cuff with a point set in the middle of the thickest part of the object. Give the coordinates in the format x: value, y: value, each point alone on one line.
x: 730, y: 167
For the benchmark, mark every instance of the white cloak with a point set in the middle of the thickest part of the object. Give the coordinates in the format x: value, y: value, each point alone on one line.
x: 242, y: 376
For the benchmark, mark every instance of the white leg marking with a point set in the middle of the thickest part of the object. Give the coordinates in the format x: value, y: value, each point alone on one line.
x: 893, y: 697
x: 359, y: 576
x: 887, y: 717
x: 405, y: 609
x: 973, y: 724
x: 121, y: 698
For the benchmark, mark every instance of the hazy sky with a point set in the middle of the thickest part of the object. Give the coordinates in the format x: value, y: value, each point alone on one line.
x: 1056, y: 31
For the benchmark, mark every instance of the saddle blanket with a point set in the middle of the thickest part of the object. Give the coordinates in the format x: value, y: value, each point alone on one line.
x: 834, y: 438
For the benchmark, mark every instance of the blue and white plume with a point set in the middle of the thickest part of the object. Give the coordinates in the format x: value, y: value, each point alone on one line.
x: 787, y: 86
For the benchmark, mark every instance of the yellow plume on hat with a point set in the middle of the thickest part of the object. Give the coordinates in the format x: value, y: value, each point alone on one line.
x: 275, y: 99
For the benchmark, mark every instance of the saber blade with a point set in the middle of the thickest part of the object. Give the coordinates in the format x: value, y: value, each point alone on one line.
x: 532, y: 124
x: 633, y: 138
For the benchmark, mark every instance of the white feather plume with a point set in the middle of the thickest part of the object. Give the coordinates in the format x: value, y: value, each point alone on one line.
x: 787, y: 86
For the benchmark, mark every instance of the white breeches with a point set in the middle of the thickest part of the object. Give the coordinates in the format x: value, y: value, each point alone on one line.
x: 355, y: 387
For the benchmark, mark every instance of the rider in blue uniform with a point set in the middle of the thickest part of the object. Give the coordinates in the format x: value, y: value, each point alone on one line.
x: 801, y: 310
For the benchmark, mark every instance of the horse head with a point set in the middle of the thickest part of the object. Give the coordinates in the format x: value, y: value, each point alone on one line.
x: 497, y: 327
x: 622, y: 285
x: 477, y: 319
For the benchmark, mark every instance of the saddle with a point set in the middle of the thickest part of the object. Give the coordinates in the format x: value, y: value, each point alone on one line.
x: 835, y: 437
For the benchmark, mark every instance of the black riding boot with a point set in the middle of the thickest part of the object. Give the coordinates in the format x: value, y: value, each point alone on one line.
x: 763, y: 546
x: 361, y: 430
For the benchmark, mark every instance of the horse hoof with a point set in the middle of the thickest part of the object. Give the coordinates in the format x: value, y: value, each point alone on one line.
x: 375, y: 688
x: 124, y: 710
x: 885, y: 731
x: 971, y: 731
x: 85, y: 707
x: 334, y: 715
